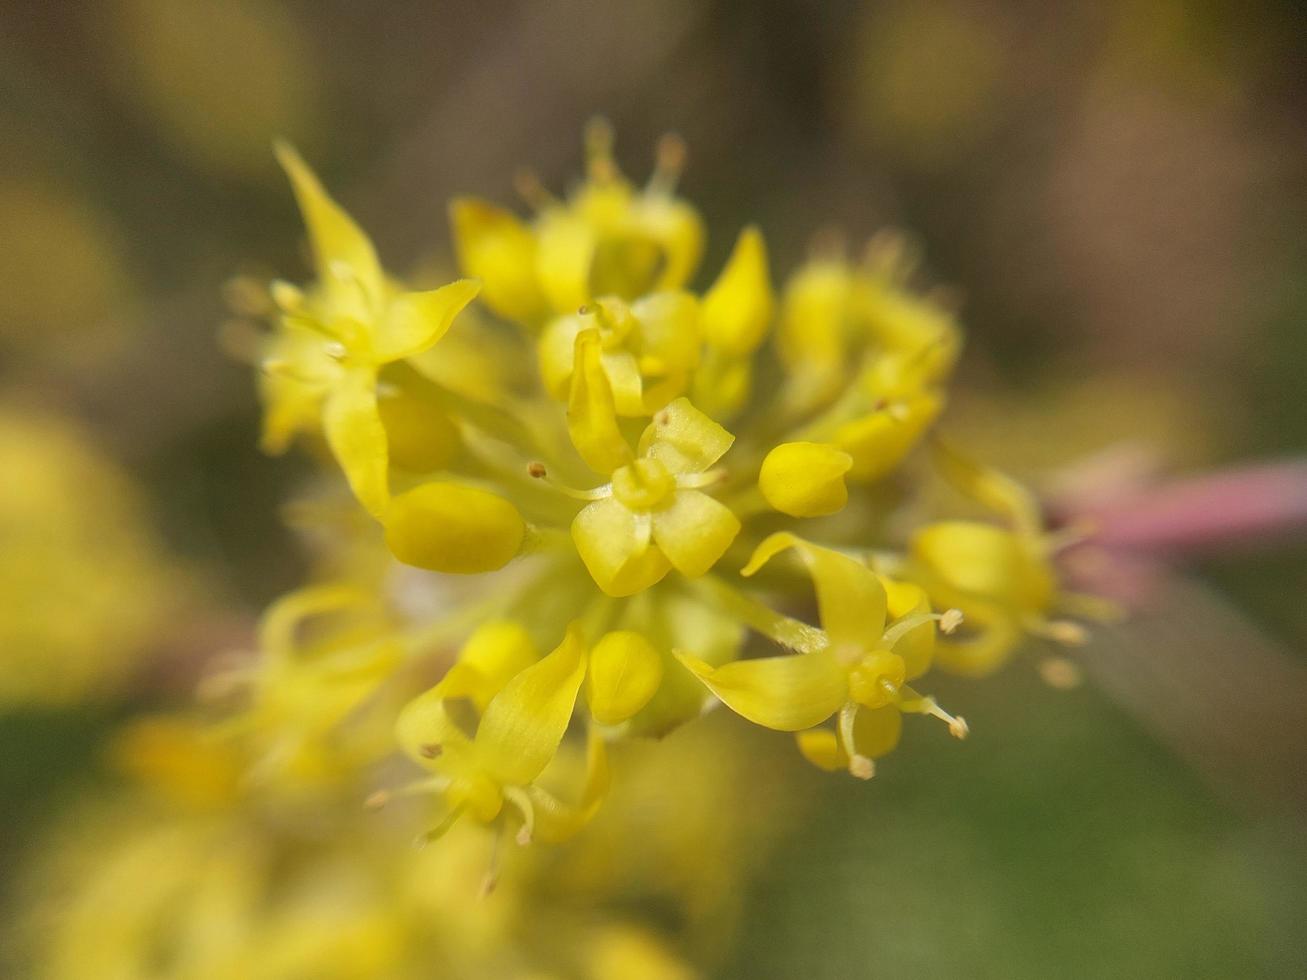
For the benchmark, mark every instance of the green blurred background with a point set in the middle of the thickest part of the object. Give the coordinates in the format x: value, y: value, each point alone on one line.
x: 1118, y: 191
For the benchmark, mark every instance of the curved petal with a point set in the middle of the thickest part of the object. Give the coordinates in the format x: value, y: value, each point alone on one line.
x: 525, y: 722
x: 565, y: 248
x: 784, y: 693
x: 850, y: 598
x: 415, y: 321
x: 737, y: 309
x: 358, y: 439
x: 619, y: 558
x: 591, y: 411
x: 694, y: 531
x: 684, y: 439
x: 336, y: 240
x: 493, y: 245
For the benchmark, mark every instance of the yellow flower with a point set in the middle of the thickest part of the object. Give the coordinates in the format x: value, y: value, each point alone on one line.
x: 524, y: 713
x: 322, y: 363
x: 607, y: 239
x: 653, y: 517
x: 856, y: 668
x: 1002, y: 578
x: 648, y: 349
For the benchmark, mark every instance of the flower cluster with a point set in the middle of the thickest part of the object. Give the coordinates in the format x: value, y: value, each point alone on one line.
x: 649, y: 483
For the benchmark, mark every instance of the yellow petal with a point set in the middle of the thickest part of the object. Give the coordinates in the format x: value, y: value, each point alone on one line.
x: 805, y: 479
x: 619, y: 557
x: 498, y: 652
x: 495, y: 247
x: 357, y: 438
x: 814, y: 327
x: 989, y: 643
x: 722, y: 383
x: 447, y: 527
x: 565, y: 248
x: 415, y: 321
x: 524, y: 724
x: 591, y: 412
x: 338, y: 243
x: 737, y: 310
x: 623, y: 371
x: 822, y: 748
x: 427, y: 735
x: 985, y: 561
x: 556, y: 821
x: 694, y: 531
x: 625, y: 671
x: 988, y: 487
x: 880, y: 440
x: 850, y: 598
x: 784, y: 693
x: 279, y: 625
x: 420, y: 435
x: 669, y: 330
x: 684, y: 439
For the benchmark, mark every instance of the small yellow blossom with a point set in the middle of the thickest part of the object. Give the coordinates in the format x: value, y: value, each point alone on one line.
x: 855, y: 667
x: 652, y: 517
x: 321, y: 365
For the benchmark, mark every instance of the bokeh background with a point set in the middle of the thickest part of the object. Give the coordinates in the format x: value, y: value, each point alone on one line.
x: 1117, y: 191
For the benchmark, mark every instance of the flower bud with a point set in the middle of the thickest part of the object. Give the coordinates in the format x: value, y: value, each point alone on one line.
x: 737, y: 310
x: 625, y: 671
x: 805, y: 479
x: 446, y: 527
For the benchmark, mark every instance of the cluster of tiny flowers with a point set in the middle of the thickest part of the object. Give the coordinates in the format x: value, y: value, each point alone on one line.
x: 647, y: 484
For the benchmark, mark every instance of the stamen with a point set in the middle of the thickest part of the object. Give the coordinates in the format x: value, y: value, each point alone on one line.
x: 335, y: 349
x: 538, y: 471
x: 948, y: 622
x: 669, y: 163
x: 1062, y: 631
x: 599, y: 150
x: 288, y: 297
x: 491, y: 880
x: 1060, y: 673
x: 697, y: 481
x: 377, y: 800
x: 910, y: 702
x: 522, y: 802
x: 442, y: 828
x: 860, y: 766
x: 532, y: 191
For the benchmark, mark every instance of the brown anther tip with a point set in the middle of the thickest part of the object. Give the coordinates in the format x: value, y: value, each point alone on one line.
x: 662, y: 418
x: 583, y: 310
x: 671, y: 152
x: 430, y: 751
x: 377, y: 800
x: 488, y: 885
x: 536, y: 470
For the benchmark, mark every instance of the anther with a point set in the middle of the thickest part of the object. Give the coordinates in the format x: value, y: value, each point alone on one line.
x: 1060, y: 673
x: 669, y: 162
x: 530, y: 189
x: 377, y: 800
x: 430, y: 751
x: 861, y: 767
x: 536, y: 470
x: 335, y: 348
x: 951, y: 620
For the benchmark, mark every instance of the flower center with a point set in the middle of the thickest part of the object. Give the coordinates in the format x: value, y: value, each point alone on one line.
x: 643, y: 485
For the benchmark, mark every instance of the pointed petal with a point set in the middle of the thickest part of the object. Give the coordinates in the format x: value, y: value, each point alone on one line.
x: 591, y: 411
x: 496, y: 652
x: 738, y: 309
x: 358, y: 439
x: 415, y: 321
x: 694, y: 531
x: 683, y: 439
x: 336, y: 239
x: 784, y: 693
x: 988, y: 487
x: 497, y: 248
x: 524, y: 724
x: 619, y: 558
x: 850, y: 598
